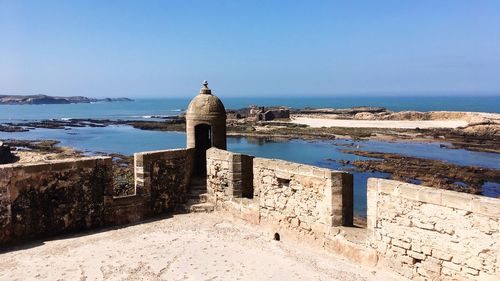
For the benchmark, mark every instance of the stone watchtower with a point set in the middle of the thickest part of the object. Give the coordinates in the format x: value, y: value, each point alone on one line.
x: 205, y: 126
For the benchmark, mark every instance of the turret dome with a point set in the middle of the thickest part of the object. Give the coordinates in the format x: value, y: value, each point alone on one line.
x: 205, y: 126
x: 206, y: 104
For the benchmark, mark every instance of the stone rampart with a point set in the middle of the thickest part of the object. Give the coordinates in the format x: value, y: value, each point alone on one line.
x: 291, y: 196
x: 163, y: 177
x: 302, y: 197
x: 292, y: 200
x: 427, y: 233
x: 47, y: 198
x: 229, y: 175
x: 53, y: 197
x: 419, y: 232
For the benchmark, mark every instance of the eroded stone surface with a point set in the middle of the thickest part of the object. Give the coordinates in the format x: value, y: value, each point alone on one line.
x: 425, y: 233
x: 52, y: 197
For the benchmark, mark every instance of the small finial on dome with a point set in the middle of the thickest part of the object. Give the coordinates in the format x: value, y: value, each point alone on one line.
x: 205, y: 90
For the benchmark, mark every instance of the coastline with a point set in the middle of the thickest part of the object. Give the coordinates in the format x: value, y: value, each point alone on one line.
x: 480, y: 131
x: 472, y: 136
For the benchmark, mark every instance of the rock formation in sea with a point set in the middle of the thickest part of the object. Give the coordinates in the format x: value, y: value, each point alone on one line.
x: 44, y: 99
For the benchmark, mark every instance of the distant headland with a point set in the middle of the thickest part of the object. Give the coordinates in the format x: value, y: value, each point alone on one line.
x: 44, y: 99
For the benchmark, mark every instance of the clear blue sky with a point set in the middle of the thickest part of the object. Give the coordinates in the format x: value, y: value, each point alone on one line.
x: 249, y: 48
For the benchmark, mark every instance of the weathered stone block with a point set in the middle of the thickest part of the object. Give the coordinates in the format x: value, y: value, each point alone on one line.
x: 387, y: 186
x: 448, y: 231
x: 470, y: 271
x: 452, y: 266
x: 354, y: 252
x: 423, y: 225
x: 457, y: 200
x: 416, y: 255
x: 426, y: 250
x: 35, y: 168
x: 430, y: 196
x: 486, y: 206
x: 407, y: 260
x: 62, y: 165
x: 401, y: 244
x: 408, y: 191
x: 442, y: 255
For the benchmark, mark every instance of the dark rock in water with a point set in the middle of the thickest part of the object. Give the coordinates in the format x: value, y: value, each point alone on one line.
x: 348, y: 111
x: 12, y: 128
x: 429, y: 172
x: 5, y: 154
x: 115, y: 99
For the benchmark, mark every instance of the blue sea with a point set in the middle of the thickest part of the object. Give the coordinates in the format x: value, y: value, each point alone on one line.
x: 127, y: 140
x: 144, y: 108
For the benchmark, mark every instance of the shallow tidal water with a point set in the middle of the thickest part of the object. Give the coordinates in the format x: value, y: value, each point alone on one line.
x: 127, y: 140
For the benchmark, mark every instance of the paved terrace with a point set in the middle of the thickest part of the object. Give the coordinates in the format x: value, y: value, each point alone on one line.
x: 194, y: 246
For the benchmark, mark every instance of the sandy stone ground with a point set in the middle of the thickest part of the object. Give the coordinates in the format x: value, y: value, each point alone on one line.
x: 182, y: 247
x: 395, y: 124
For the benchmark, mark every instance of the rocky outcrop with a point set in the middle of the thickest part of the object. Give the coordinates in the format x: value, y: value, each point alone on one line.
x: 429, y: 172
x: 44, y: 99
x: 485, y: 130
x: 348, y: 111
x: 470, y: 117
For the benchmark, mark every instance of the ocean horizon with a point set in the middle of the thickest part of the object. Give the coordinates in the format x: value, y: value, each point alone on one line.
x: 142, y: 108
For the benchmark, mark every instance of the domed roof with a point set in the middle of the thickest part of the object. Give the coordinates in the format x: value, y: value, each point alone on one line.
x: 206, y: 104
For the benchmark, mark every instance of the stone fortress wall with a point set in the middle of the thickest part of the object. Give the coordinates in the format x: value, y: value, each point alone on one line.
x: 302, y: 197
x: 59, y: 196
x: 229, y: 175
x: 297, y: 197
x: 432, y: 233
x: 44, y: 199
x: 419, y: 232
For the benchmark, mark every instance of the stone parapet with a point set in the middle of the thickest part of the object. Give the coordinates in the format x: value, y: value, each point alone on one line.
x: 52, y: 197
x: 58, y: 196
x: 229, y: 175
x: 303, y: 197
x: 422, y: 232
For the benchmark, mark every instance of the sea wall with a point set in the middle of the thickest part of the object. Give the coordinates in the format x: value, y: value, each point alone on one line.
x: 163, y: 177
x: 427, y: 233
x: 44, y: 199
x: 161, y: 181
x: 419, y: 232
x: 49, y: 198
x: 302, y: 197
x: 229, y: 175
x: 295, y: 197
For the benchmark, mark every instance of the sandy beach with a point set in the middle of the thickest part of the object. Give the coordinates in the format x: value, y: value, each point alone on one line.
x: 183, y: 247
x: 393, y: 124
